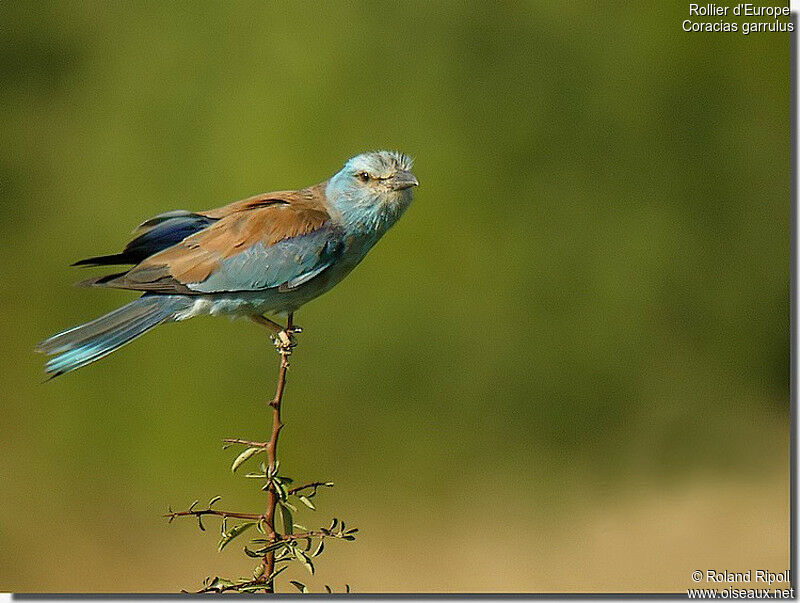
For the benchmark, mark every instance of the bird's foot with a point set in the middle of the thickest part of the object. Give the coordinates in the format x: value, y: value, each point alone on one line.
x: 285, y: 340
x: 282, y: 337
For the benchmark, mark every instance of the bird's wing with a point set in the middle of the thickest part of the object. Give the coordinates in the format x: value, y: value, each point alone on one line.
x: 275, y: 240
x: 156, y: 234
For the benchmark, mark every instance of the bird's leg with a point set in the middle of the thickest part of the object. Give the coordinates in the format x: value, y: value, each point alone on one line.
x: 266, y: 322
x: 283, y: 337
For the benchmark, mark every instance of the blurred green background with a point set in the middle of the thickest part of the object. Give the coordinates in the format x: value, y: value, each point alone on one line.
x: 565, y: 369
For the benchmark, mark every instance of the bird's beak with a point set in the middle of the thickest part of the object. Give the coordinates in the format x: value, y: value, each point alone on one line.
x: 403, y: 180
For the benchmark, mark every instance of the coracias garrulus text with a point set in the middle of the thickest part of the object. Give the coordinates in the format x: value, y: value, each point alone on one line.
x: 268, y: 254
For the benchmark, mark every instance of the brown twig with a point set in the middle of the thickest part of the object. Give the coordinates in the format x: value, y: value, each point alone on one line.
x: 222, y: 589
x: 314, y: 485
x: 259, y: 517
x: 272, y: 450
x: 254, y: 516
x: 246, y: 442
x: 315, y: 534
x: 275, y: 548
x: 235, y: 514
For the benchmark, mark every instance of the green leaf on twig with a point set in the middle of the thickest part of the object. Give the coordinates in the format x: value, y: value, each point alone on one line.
x: 299, y: 586
x: 306, y: 502
x: 263, y: 551
x: 218, y: 584
x: 251, y: 588
x: 276, y: 572
x: 286, y: 517
x: 304, y: 559
x: 233, y: 533
x: 249, y: 452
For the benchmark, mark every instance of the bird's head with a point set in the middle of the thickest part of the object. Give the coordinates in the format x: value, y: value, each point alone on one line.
x: 373, y: 189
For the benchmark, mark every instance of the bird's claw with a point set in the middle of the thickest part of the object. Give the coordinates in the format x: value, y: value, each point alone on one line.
x: 285, y: 341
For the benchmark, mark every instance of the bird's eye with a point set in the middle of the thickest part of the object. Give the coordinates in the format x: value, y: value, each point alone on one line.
x: 363, y: 176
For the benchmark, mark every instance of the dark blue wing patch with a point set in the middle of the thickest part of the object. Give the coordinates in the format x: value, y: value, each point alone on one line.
x: 162, y: 232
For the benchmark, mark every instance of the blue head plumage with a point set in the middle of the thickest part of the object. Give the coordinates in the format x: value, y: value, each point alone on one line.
x: 372, y: 190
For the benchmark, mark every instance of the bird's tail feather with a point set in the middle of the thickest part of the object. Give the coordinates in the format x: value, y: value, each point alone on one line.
x: 81, y: 345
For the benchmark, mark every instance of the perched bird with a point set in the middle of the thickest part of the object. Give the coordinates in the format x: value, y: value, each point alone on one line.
x: 268, y: 254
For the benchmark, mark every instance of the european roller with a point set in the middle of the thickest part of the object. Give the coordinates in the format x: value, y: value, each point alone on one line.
x: 268, y: 254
